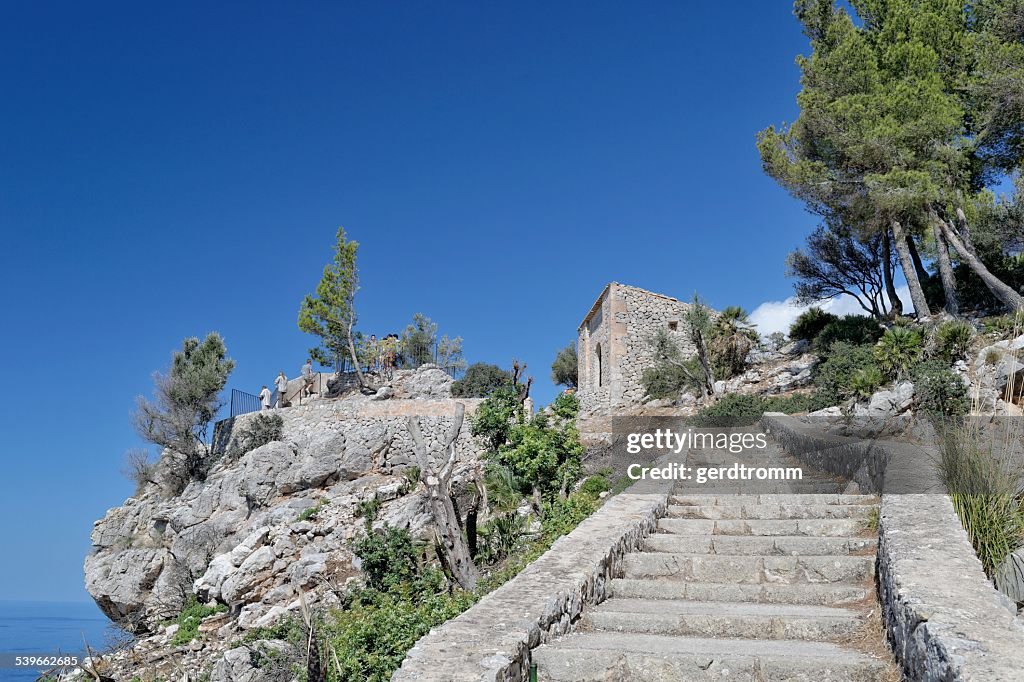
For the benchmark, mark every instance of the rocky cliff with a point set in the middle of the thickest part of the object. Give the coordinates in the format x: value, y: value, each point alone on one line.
x: 272, y: 523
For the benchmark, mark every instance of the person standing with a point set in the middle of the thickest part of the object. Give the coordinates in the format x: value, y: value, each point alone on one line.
x: 372, y: 353
x: 307, y: 378
x: 265, y: 397
x: 281, y: 384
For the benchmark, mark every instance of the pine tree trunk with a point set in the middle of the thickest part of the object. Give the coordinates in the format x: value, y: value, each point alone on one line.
x: 945, y: 268
x: 363, y: 383
x: 1002, y: 291
x: 909, y: 271
x: 895, y: 304
x: 447, y: 528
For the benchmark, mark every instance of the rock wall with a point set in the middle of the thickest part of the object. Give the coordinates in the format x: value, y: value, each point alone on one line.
x: 237, y: 537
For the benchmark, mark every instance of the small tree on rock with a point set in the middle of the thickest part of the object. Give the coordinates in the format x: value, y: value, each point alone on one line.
x: 186, y: 400
x: 331, y: 313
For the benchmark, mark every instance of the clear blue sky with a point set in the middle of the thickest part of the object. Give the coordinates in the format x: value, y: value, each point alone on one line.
x: 171, y: 169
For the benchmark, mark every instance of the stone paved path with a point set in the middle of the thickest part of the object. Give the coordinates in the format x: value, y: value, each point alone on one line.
x: 739, y: 587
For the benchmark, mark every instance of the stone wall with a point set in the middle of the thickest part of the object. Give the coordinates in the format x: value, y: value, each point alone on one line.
x: 944, y: 619
x: 492, y: 640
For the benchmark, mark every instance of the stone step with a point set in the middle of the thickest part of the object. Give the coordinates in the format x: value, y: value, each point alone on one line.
x: 807, y: 527
x: 806, y: 498
x: 824, y: 487
x: 770, y: 511
x: 758, y: 544
x: 723, y: 619
x: 718, y: 568
x: 762, y: 593
x: 601, y: 656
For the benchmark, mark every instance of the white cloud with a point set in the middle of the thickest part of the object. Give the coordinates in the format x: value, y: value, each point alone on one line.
x: 777, y: 316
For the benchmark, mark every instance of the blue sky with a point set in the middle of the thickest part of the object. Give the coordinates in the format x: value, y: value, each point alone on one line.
x: 178, y: 168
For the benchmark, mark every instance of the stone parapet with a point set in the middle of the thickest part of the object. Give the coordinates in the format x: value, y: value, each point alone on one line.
x: 493, y: 639
x: 944, y: 619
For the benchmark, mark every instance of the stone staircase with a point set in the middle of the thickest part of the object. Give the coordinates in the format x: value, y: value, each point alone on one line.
x: 739, y: 587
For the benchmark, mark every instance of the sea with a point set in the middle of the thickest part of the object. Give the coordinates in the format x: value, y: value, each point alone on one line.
x: 49, y: 628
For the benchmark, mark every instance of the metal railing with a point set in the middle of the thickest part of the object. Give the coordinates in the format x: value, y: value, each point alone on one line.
x: 243, y: 403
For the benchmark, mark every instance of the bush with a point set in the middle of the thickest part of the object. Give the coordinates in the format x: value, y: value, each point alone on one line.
x: 190, y: 618
x: 1004, y: 325
x: 855, y: 330
x: 899, y: 349
x: 480, y: 380
x: 836, y: 377
x: 809, y: 324
x: 257, y: 432
x: 389, y: 557
x: 736, y: 409
x: 866, y: 381
x: 952, y: 340
x: 733, y: 409
x: 664, y: 381
x: 371, y: 637
x: 939, y: 390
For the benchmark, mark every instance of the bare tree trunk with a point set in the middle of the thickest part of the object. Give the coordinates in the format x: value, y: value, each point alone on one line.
x: 895, y: 304
x: 364, y: 385
x: 945, y: 267
x: 922, y: 274
x: 447, y: 528
x: 1001, y: 290
x: 909, y: 271
x: 965, y: 230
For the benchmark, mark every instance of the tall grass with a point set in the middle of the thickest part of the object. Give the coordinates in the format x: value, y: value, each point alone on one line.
x: 981, y: 464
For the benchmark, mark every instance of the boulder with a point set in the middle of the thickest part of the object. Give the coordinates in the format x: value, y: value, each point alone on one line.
x: 888, y: 403
x: 428, y: 381
x: 243, y: 663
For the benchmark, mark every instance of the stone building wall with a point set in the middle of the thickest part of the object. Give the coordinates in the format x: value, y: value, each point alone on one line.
x: 614, y: 344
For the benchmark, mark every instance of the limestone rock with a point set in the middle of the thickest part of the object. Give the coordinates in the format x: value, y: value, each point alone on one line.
x: 428, y: 381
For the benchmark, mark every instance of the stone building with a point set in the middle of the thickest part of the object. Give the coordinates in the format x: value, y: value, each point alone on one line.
x: 614, y: 344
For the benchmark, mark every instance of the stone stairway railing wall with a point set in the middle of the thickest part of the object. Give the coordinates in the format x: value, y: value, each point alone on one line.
x: 944, y: 619
x: 492, y: 640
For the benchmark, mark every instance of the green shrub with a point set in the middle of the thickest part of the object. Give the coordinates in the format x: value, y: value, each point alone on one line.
x: 952, y: 340
x: 498, y: 538
x: 595, y: 485
x: 664, y: 381
x: 736, y: 409
x: 371, y: 637
x: 257, y: 432
x: 389, y: 557
x: 835, y: 376
x: 190, y: 618
x: 732, y: 409
x: 866, y: 381
x: 368, y: 510
x: 810, y: 323
x: 855, y: 330
x: 899, y: 349
x: 310, y: 513
x: 1004, y: 325
x: 480, y: 380
x: 939, y: 390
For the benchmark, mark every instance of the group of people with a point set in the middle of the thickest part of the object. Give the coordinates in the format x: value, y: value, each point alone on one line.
x: 381, y: 354
x: 308, y: 377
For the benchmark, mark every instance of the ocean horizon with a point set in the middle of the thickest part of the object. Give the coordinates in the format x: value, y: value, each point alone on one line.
x: 49, y: 628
